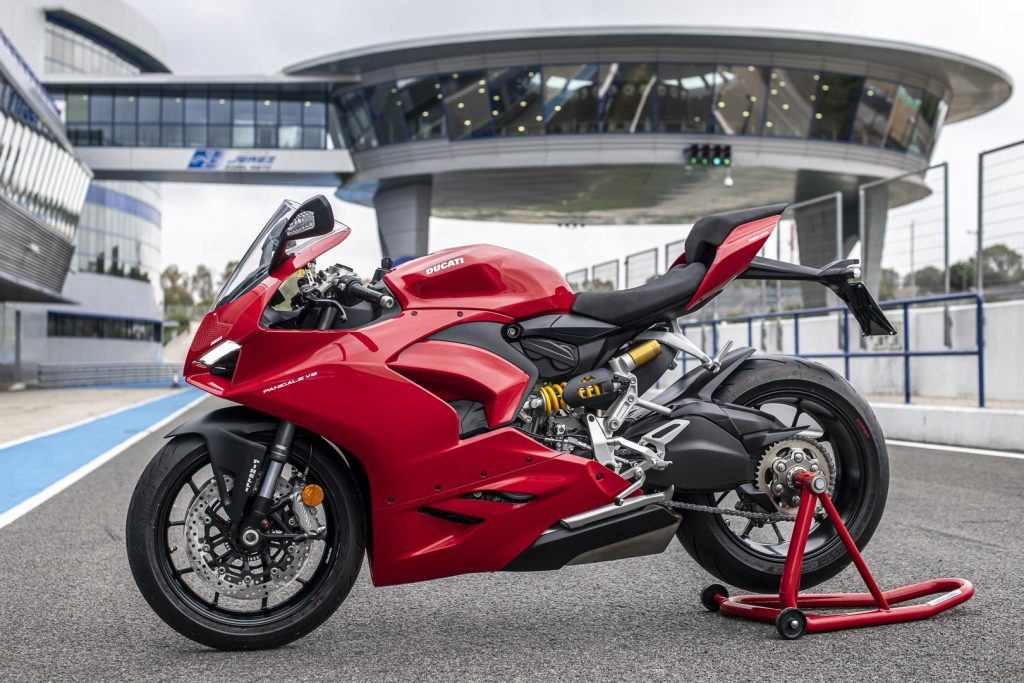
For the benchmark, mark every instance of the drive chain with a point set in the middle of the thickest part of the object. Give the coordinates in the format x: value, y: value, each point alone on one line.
x: 766, y: 517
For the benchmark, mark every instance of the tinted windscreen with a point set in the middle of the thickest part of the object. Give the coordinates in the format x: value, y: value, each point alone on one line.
x: 256, y: 262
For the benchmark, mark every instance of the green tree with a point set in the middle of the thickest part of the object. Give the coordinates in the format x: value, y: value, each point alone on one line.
x: 1000, y: 265
x: 202, y: 283
x: 888, y: 285
x: 928, y: 280
x: 229, y: 268
x: 175, y: 285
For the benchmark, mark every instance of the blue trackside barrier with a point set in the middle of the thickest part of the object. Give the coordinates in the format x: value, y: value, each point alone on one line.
x: 906, y: 353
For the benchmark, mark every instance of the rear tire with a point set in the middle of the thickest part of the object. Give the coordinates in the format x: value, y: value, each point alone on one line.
x: 860, y: 497
x: 149, y: 552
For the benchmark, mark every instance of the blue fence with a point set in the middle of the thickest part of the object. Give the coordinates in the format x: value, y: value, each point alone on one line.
x: 906, y: 353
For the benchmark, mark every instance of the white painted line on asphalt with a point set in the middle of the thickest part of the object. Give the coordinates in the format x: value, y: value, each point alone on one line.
x: 956, y: 449
x: 81, y: 422
x: 61, y: 484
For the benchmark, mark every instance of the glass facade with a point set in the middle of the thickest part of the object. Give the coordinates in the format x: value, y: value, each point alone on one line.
x: 119, y: 232
x: 102, y: 327
x: 36, y: 172
x: 119, y: 228
x: 642, y: 97
x: 272, y: 116
x: 68, y: 52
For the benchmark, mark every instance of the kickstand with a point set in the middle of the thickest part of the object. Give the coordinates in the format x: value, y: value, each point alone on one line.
x: 785, y: 610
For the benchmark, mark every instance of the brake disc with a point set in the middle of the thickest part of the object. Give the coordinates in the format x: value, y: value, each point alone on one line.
x: 228, y: 571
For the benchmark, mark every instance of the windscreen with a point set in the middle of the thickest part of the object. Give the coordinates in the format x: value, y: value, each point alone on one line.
x: 255, y: 265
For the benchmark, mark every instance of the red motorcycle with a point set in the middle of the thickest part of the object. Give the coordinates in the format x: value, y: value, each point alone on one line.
x: 467, y: 412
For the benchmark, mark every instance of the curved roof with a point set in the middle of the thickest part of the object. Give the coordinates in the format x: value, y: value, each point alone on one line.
x: 975, y: 86
x: 116, y: 25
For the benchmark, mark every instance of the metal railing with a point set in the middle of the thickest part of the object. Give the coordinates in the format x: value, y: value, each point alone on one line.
x: 97, y: 374
x: 906, y: 353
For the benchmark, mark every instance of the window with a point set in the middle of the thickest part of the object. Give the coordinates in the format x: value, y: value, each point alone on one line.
x: 570, y: 98
x: 685, y: 97
x: 516, y: 105
x: 172, y: 108
x: 837, y: 105
x: 929, y: 123
x: 467, y: 105
x: 386, y: 105
x: 220, y: 108
x: 739, y: 99
x: 872, y: 123
x: 422, y: 107
x: 357, y: 125
x: 627, y: 93
x: 195, y: 110
x: 101, y: 108
x: 60, y: 324
x: 77, y: 110
x: 149, y: 107
x: 904, y: 117
x: 792, y: 97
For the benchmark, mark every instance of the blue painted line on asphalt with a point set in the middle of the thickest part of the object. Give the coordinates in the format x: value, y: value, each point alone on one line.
x: 31, y: 466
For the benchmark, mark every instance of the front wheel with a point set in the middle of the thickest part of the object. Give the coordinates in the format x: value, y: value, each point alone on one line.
x: 799, y: 393
x: 210, y: 589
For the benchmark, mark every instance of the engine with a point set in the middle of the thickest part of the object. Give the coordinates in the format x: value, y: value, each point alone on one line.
x: 556, y: 413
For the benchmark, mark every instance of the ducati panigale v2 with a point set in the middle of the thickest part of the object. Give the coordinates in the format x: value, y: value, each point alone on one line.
x: 467, y: 412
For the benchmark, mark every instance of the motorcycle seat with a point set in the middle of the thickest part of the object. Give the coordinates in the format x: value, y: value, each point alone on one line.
x: 665, y: 296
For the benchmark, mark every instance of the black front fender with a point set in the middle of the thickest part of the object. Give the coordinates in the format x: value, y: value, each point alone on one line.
x: 235, y: 450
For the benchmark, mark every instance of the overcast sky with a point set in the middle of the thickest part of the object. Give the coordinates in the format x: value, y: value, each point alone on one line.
x: 214, y: 223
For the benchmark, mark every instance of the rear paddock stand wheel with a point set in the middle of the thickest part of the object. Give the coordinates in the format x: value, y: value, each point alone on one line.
x: 791, y: 623
x: 707, y: 596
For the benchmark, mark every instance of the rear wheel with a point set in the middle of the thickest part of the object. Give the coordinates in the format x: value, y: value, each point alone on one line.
x: 800, y: 393
x: 219, y: 594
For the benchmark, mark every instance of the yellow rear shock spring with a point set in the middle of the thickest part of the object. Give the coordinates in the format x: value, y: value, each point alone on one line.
x: 553, y: 400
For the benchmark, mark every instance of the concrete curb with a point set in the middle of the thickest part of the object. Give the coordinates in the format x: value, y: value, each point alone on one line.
x: 953, y: 425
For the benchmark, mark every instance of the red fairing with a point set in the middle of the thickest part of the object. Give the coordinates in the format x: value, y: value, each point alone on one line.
x: 380, y: 393
x: 733, y: 256
x: 481, y: 277
x: 498, y: 388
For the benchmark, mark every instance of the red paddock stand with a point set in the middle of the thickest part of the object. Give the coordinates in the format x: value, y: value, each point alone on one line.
x: 785, y: 610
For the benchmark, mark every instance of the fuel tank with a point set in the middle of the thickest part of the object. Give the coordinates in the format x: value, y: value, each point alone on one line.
x: 481, y: 277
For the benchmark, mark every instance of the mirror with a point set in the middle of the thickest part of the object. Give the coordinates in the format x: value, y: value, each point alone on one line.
x: 313, y: 218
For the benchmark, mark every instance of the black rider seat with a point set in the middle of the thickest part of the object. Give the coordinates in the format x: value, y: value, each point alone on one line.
x: 665, y: 296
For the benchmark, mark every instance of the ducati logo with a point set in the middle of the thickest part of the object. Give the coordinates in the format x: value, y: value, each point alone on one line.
x: 438, y: 267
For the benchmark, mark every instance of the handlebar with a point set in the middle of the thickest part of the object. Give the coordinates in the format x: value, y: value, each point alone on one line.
x: 371, y: 295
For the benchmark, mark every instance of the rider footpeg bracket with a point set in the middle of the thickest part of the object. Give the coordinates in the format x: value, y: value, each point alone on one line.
x: 785, y: 609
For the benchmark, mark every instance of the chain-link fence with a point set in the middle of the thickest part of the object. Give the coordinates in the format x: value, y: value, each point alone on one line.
x: 641, y: 267
x: 577, y: 279
x: 904, y: 234
x: 1000, y: 226
x: 810, y: 233
x: 604, y: 277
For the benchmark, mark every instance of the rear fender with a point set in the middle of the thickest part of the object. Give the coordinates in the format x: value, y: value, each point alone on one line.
x: 701, y: 382
x: 234, y: 452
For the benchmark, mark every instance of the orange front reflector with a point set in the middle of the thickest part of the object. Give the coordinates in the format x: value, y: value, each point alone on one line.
x: 312, y: 495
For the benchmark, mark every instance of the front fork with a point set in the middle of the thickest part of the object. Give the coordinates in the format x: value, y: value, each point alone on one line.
x: 264, y: 498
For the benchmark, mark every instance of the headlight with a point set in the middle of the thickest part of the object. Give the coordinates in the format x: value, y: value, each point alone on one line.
x: 221, y: 359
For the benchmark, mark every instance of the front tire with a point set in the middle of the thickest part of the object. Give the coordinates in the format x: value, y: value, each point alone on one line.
x: 862, y: 482
x: 159, y: 568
